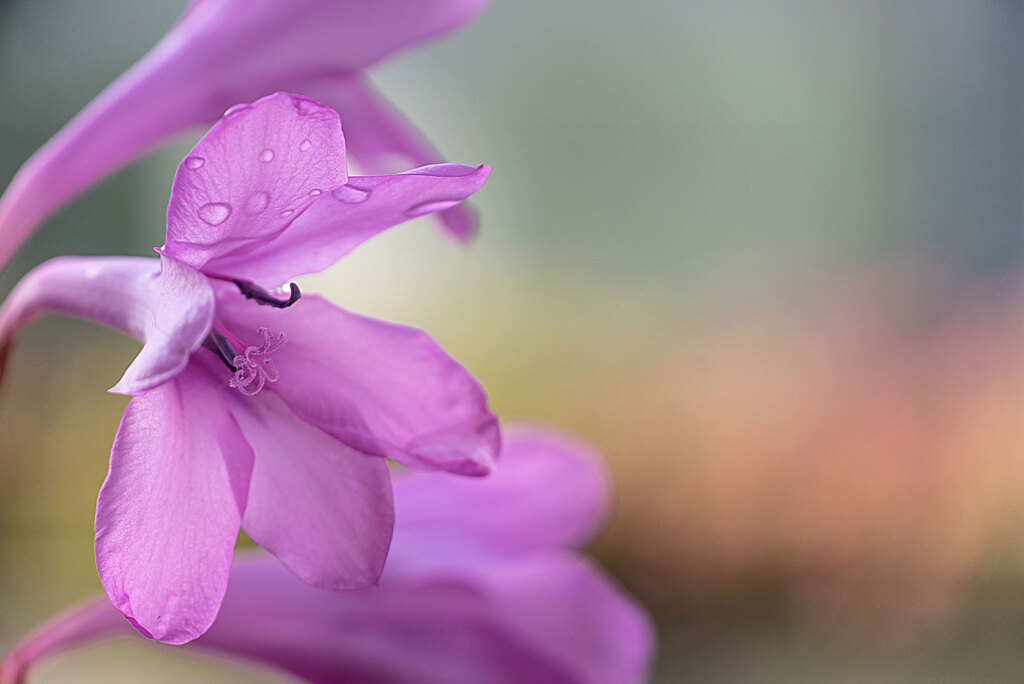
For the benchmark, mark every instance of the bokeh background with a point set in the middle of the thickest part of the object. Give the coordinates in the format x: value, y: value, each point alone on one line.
x: 766, y: 254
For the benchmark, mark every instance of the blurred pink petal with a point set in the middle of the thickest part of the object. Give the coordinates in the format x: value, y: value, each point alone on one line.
x: 537, y: 614
x: 379, y: 136
x: 552, y: 492
x: 89, y: 621
x: 222, y: 52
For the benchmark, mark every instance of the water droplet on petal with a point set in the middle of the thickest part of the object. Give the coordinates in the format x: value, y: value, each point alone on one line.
x: 257, y: 202
x: 431, y: 206
x: 350, y: 195
x: 306, y: 106
x: 194, y: 162
x: 266, y: 156
x: 314, y: 192
x: 287, y: 212
x: 305, y: 145
x: 215, y: 213
x: 235, y: 109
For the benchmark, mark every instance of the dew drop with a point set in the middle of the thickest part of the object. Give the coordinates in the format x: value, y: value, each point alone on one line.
x: 350, y: 195
x: 266, y: 155
x: 235, y: 109
x: 305, y: 146
x: 430, y: 206
x: 215, y: 213
x: 195, y: 162
x: 306, y: 106
x: 314, y: 192
x: 257, y: 202
x: 287, y: 212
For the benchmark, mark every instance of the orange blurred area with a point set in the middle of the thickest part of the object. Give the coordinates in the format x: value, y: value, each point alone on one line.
x: 856, y: 454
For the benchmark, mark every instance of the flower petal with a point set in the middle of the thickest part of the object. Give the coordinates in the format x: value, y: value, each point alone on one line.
x: 219, y: 53
x: 549, y: 491
x: 566, y: 614
x: 248, y: 179
x: 340, y: 220
x: 550, y: 619
x: 91, y: 621
x: 324, y: 509
x: 165, y: 304
x: 308, y: 37
x: 170, y: 508
x: 383, y: 141
x: 382, y: 388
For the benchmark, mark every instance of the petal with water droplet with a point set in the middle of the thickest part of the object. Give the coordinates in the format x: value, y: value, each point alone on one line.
x: 332, y: 226
x: 350, y: 195
x: 215, y: 213
x: 206, y: 64
x: 238, y: 151
x: 236, y: 109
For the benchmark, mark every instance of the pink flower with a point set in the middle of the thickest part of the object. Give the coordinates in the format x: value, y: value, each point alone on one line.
x: 226, y: 51
x: 253, y: 409
x: 481, y: 587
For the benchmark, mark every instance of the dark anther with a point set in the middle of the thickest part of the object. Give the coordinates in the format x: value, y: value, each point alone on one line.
x: 220, y: 346
x: 264, y: 298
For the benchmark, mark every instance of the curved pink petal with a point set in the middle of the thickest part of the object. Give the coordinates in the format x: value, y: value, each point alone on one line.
x: 384, y: 141
x: 549, y: 491
x: 324, y: 509
x: 221, y: 52
x: 381, y: 388
x: 566, y: 611
x: 170, y: 508
x: 248, y: 179
x: 551, y: 619
x: 339, y: 220
x: 88, y: 622
x: 303, y: 37
x: 164, y: 303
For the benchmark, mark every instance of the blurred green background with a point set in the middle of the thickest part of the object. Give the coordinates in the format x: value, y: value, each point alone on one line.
x: 766, y: 254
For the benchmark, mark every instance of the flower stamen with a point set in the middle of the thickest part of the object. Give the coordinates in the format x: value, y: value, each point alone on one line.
x: 253, y: 368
